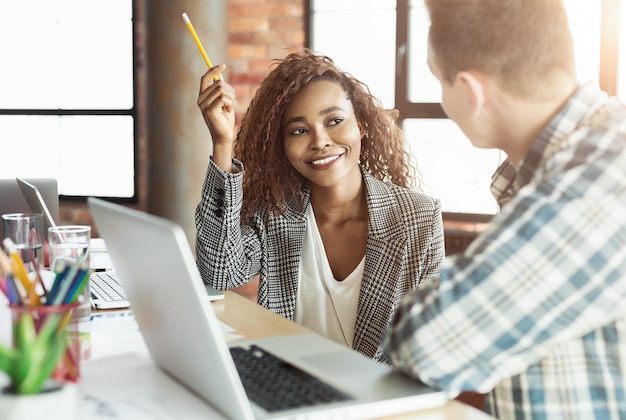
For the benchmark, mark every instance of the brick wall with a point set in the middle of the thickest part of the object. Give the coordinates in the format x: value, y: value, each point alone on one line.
x: 260, y: 31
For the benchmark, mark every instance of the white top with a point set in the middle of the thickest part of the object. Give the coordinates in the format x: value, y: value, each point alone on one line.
x: 323, y: 304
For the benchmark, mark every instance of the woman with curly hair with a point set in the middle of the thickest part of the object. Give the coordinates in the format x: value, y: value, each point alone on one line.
x: 313, y: 195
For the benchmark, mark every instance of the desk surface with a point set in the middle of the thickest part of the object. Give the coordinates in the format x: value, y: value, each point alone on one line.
x: 120, y: 381
x: 253, y: 321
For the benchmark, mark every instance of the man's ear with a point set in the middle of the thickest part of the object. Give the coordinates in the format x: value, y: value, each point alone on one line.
x: 475, y: 89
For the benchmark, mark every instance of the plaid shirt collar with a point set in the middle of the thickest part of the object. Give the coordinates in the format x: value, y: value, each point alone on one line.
x: 509, y: 179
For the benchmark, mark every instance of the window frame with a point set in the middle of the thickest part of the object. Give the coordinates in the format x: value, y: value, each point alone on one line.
x: 608, y: 77
x: 131, y: 112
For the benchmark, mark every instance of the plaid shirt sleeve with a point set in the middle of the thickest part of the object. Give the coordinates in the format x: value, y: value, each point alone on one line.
x: 547, y: 277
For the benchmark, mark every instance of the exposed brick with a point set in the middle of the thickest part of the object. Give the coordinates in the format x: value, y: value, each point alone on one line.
x: 278, y: 37
x: 248, y: 2
x: 247, y: 51
x: 285, y: 23
x: 238, y: 65
x: 269, y: 9
x: 281, y: 51
x: 242, y: 38
x: 248, y: 24
x: 246, y: 78
x: 261, y: 66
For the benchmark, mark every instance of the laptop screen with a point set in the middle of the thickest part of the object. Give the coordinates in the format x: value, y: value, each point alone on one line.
x: 12, y: 199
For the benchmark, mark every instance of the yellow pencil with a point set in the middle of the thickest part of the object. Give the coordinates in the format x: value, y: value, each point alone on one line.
x: 19, y: 270
x: 5, y: 263
x: 198, y: 43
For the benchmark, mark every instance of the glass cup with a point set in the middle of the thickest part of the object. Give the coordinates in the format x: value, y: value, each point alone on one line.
x: 26, y: 232
x: 47, y: 341
x: 70, y: 245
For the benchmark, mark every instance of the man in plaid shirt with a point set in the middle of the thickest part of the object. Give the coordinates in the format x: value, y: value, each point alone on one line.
x: 534, y: 312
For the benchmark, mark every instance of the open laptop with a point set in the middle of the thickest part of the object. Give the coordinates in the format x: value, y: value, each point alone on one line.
x: 182, y: 333
x: 41, y: 196
x: 105, y: 289
x: 13, y: 199
x: 104, y: 286
x: 37, y: 203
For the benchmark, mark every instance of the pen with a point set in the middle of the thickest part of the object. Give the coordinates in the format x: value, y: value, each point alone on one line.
x: 62, y: 283
x: 5, y: 263
x: 20, y: 272
x: 198, y: 43
x: 12, y: 290
x: 78, y: 284
x: 4, y: 288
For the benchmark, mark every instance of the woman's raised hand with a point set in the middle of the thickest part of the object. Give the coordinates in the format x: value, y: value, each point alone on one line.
x: 217, y: 104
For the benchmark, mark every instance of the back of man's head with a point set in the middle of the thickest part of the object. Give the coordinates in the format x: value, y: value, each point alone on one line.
x: 524, y: 45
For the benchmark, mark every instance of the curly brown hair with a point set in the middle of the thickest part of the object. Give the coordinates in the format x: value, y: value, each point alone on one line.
x: 270, y: 181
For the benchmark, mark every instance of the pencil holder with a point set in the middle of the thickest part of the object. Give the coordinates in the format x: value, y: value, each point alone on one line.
x: 46, y: 346
x: 70, y: 245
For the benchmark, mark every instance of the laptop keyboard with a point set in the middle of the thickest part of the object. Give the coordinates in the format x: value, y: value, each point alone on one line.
x: 106, y: 288
x: 276, y: 385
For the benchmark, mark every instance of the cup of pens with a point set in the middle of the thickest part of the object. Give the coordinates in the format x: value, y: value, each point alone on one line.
x: 47, y: 336
x: 70, y: 246
x: 46, y: 342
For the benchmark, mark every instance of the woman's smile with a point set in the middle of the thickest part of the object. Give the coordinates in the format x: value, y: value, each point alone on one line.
x: 325, y: 162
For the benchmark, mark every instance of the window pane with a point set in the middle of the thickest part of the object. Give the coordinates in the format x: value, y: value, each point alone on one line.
x: 365, y: 47
x: 453, y: 170
x: 88, y: 155
x: 66, y: 54
x: 423, y: 86
x: 585, y: 20
x: 621, y: 81
x: 584, y: 16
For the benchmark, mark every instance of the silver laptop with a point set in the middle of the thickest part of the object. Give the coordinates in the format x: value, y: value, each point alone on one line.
x: 13, y: 199
x: 37, y: 203
x: 105, y: 290
x: 159, y: 273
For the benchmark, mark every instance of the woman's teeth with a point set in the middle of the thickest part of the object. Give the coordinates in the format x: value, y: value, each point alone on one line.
x: 324, y: 161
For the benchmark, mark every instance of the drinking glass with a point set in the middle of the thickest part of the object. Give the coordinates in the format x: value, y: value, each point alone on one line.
x: 70, y: 245
x: 26, y: 232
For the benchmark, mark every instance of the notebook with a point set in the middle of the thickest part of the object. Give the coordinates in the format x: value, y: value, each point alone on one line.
x: 13, y: 200
x: 183, y: 335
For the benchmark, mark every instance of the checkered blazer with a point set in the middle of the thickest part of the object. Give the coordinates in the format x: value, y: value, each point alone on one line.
x: 404, y: 246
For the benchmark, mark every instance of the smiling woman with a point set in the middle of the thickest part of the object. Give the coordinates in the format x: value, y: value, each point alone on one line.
x: 322, y: 210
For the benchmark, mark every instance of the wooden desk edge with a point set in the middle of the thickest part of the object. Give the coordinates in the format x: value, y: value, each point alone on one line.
x: 252, y: 320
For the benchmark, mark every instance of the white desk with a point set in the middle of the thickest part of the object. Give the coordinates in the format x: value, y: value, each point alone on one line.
x: 120, y: 380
